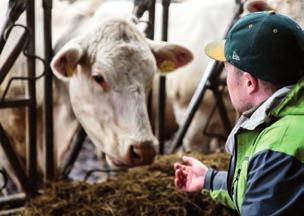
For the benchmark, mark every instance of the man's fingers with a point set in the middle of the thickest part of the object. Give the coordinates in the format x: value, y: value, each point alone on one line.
x: 180, y: 178
x: 177, y: 166
x: 188, y: 160
x: 179, y: 182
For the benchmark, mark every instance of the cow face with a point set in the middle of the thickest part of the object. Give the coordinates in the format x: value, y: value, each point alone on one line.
x: 109, y: 72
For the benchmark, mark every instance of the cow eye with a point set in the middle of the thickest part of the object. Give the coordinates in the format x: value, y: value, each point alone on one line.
x: 99, y: 79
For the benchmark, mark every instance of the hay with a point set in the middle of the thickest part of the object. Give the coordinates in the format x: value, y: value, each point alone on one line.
x: 147, y: 190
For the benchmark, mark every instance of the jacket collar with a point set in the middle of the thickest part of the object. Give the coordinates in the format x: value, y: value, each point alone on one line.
x: 256, y: 116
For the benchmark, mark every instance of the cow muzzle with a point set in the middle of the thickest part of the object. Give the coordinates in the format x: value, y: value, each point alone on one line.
x: 142, y: 154
x: 137, y: 154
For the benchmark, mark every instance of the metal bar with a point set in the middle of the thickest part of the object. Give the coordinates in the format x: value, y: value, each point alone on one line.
x: 14, y: 10
x: 31, y: 164
x: 139, y: 7
x: 76, y: 146
x: 165, y: 4
x: 14, y: 103
x: 150, y: 33
x: 13, y: 201
x: 48, y: 96
x: 161, y: 110
x: 15, y: 163
x: 10, y: 60
x: 2, y: 43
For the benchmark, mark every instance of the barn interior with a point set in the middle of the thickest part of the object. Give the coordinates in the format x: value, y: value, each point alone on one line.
x: 83, y: 183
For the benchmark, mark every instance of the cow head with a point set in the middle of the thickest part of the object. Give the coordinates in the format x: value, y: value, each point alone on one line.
x: 109, y: 72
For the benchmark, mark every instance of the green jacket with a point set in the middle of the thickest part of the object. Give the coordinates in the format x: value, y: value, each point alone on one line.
x: 266, y: 172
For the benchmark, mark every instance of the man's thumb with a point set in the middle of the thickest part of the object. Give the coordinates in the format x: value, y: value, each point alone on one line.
x: 188, y: 160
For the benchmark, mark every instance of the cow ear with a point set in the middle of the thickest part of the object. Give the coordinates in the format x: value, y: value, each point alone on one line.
x: 65, y: 61
x: 257, y: 5
x: 170, y: 57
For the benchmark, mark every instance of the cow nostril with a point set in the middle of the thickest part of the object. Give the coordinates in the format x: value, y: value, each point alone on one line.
x: 135, y: 155
x: 142, y: 154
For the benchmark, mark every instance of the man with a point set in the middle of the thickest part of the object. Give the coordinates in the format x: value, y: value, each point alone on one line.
x: 264, y: 59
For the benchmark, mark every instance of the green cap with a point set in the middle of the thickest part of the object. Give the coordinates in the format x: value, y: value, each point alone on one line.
x: 268, y: 45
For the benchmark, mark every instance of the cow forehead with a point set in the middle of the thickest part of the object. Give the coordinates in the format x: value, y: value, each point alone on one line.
x: 113, y: 30
x: 120, y: 61
x: 118, y: 51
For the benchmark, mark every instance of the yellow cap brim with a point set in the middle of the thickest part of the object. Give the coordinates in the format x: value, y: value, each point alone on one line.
x: 215, y: 50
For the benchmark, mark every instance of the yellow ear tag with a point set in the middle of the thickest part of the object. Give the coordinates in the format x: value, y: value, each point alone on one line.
x: 69, y: 71
x: 167, y: 66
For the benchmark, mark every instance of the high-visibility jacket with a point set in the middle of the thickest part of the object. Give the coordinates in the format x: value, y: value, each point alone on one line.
x: 266, y: 171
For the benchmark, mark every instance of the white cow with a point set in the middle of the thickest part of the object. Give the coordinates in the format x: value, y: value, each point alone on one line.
x: 104, y: 74
x: 192, y: 23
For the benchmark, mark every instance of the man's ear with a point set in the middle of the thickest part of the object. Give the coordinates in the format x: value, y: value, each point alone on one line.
x: 251, y: 83
x: 257, y: 5
x: 170, y: 57
x: 65, y: 61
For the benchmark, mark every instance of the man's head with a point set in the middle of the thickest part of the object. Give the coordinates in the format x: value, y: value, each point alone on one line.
x: 245, y: 90
x: 262, y: 52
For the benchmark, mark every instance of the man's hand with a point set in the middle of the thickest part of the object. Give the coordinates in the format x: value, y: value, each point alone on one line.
x: 190, y: 174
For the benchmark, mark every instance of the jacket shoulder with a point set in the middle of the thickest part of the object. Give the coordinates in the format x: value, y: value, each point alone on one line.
x: 286, y: 135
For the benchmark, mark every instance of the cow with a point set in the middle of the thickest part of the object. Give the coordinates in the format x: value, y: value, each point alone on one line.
x: 192, y: 23
x: 102, y: 77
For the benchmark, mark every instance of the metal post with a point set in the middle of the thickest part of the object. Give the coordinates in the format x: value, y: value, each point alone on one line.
x: 31, y: 91
x: 165, y: 4
x: 8, y: 103
x: 140, y: 7
x: 161, y: 110
x: 150, y: 30
x: 48, y: 96
x: 14, y: 10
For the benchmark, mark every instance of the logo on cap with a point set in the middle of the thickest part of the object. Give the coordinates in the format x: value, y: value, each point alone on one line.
x: 235, y: 56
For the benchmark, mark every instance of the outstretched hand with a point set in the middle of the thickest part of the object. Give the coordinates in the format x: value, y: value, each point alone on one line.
x: 190, y: 174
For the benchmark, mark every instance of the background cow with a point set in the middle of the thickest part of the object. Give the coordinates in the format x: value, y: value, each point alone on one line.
x: 292, y: 8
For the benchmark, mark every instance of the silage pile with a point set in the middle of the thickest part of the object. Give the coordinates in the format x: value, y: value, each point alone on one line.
x: 147, y: 190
